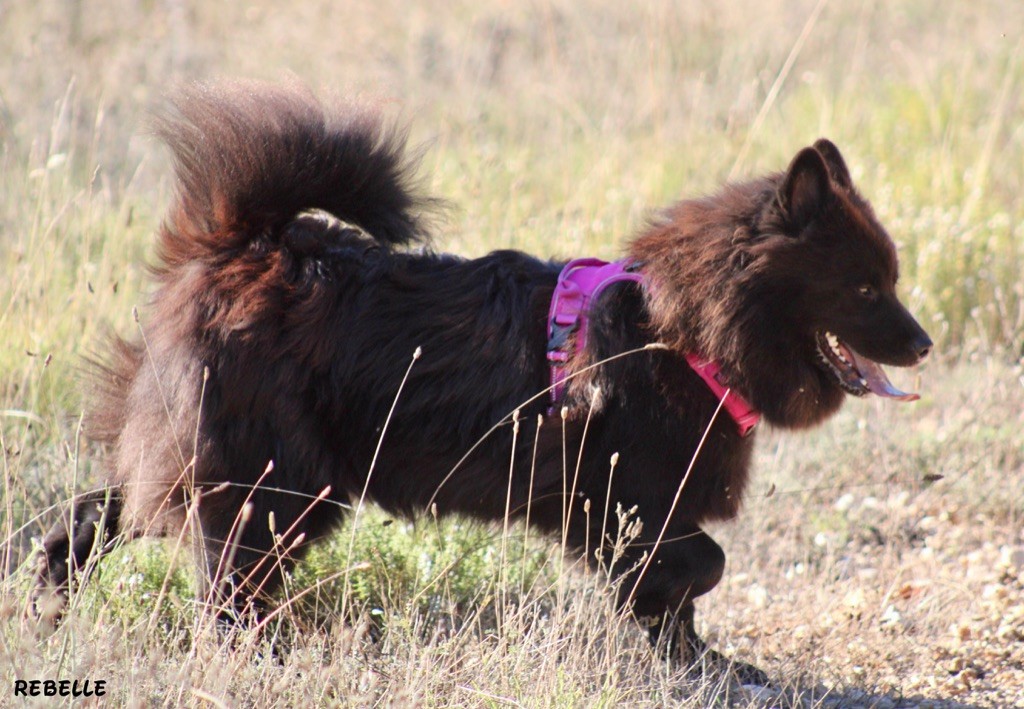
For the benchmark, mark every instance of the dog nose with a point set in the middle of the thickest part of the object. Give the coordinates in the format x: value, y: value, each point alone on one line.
x: 922, y: 346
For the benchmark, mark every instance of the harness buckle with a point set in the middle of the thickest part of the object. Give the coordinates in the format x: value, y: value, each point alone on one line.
x: 560, y: 335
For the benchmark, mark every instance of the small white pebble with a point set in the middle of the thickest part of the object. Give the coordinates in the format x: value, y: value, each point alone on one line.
x: 844, y: 503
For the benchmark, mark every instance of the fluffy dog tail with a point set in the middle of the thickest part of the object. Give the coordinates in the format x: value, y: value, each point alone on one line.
x: 249, y: 157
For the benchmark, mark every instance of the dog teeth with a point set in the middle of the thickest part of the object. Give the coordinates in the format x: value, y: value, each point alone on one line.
x: 837, y: 362
x: 833, y: 344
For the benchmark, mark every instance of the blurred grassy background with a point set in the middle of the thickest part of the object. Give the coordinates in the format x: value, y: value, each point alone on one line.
x: 553, y: 126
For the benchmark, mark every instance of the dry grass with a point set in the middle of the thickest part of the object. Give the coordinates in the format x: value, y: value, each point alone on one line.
x: 856, y: 577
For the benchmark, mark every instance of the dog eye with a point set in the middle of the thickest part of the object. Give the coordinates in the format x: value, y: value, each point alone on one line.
x: 866, y: 291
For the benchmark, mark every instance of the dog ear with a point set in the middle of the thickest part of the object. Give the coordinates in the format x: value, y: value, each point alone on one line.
x: 804, y: 190
x: 836, y: 165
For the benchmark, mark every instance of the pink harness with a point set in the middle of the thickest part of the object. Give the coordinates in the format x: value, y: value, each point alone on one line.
x: 580, y: 283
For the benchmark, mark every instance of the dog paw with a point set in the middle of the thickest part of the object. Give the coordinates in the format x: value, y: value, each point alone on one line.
x: 743, y: 673
x: 750, y: 676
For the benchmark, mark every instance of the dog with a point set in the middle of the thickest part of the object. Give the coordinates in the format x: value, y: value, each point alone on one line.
x: 303, y: 337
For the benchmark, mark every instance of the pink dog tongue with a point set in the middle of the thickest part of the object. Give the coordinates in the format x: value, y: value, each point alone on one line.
x: 877, y: 381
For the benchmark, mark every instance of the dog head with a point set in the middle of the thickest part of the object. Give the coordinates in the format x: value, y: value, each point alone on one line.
x: 789, y: 283
x: 820, y: 280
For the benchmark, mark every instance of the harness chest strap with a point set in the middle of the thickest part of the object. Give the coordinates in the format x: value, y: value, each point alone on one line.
x: 580, y: 283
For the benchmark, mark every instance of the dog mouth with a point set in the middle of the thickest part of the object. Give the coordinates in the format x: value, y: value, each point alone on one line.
x: 855, y: 373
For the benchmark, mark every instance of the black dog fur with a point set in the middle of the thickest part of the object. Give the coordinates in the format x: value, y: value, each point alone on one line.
x: 291, y: 298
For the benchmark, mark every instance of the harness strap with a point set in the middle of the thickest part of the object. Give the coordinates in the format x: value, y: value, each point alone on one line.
x: 580, y: 283
x: 745, y: 415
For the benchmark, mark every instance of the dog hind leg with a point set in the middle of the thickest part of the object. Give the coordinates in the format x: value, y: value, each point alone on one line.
x: 73, y: 546
x: 241, y: 560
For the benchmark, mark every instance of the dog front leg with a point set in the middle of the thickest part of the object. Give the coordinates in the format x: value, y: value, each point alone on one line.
x: 661, y: 592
